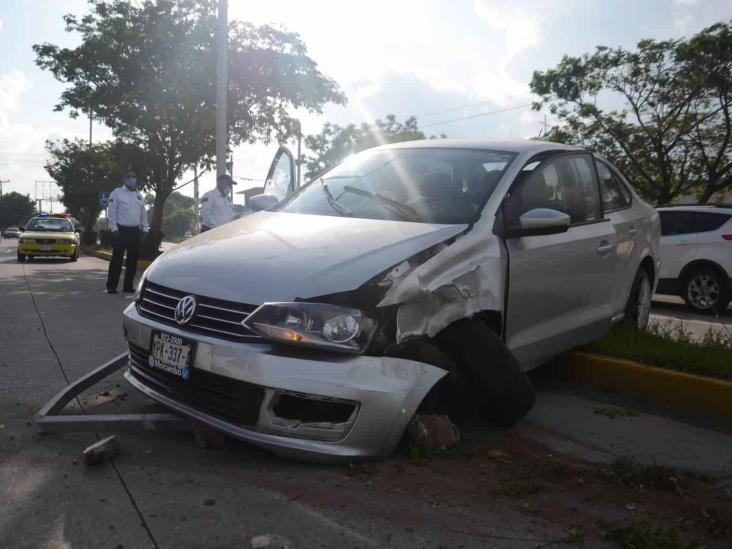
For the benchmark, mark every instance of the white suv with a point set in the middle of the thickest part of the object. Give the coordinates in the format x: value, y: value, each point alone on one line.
x: 696, y: 255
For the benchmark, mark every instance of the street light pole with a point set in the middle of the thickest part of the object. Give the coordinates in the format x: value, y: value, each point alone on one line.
x: 222, y: 36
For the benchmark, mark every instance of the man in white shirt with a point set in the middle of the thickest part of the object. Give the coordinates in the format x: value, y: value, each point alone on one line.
x: 127, y: 220
x: 216, y: 206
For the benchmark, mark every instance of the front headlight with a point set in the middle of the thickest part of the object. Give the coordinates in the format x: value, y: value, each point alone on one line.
x: 313, y: 325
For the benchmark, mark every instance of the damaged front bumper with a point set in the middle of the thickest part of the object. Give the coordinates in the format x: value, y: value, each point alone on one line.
x: 305, y: 404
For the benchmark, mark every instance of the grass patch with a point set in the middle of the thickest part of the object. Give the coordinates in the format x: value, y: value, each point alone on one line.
x: 672, y: 348
x: 641, y: 477
x: 640, y: 534
x: 614, y: 412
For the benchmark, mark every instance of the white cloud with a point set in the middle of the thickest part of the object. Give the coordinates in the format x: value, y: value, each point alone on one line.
x: 12, y: 86
x: 519, y: 29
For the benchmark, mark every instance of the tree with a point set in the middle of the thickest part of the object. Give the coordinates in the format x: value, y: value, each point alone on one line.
x: 644, y: 135
x: 178, y: 222
x: 706, y: 62
x: 15, y: 209
x: 148, y: 71
x: 671, y: 130
x: 82, y: 172
x: 334, y: 143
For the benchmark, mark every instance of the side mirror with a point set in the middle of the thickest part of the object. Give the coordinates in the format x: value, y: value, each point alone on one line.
x: 540, y: 221
x: 261, y: 202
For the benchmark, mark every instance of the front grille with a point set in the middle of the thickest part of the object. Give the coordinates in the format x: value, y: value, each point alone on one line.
x: 213, y: 317
x: 223, y: 397
x: 48, y: 241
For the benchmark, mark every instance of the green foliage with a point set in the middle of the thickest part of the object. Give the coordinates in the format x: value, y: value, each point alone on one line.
x: 671, y: 133
x: 82, y: 172
x: 15, y: 209
x: 177, y: 223
x: 334, y: 143
x: 640, y: 534
x: 147, y: 70
x: 672, y: 348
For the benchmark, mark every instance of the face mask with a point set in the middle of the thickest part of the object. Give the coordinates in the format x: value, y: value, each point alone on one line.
x: 131, y: 182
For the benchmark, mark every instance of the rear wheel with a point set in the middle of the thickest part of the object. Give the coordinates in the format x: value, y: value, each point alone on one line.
x: 706, y: 291
x: 638, y: 307
x: 21, y: 258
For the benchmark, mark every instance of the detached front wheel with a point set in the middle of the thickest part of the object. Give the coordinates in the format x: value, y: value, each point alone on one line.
x: 706, y: 291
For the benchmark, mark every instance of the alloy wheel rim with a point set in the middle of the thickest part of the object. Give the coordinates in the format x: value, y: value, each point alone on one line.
x: 703, y: 291
x: 643, y: 311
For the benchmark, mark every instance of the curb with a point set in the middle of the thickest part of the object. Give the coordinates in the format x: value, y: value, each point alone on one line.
x: 695, y: 393
x: 142, y: 264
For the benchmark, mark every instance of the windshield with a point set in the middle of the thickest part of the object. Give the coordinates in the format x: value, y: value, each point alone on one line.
x: 427, y: 185
x: 49, y: 224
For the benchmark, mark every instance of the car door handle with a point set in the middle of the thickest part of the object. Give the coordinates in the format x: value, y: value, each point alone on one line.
x: 604, y: 248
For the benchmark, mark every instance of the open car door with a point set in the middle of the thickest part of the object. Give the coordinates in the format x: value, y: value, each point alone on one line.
x: 280, y: 181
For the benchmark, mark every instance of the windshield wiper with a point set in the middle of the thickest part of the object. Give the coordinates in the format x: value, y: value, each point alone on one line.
x: 337, y: 206
x: 405, y: 212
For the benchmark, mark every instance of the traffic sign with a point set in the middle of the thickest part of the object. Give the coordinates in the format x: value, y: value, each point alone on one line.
x: 103, y: 200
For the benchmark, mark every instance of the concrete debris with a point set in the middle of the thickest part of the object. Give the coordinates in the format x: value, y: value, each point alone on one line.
x: 432, y: 432
x: 206, y: 437
x: 271, y: 541
x: 101, y: 451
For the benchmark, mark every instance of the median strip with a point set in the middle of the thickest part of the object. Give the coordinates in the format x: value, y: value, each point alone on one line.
x: 142, y: 264
x: 695, y: 393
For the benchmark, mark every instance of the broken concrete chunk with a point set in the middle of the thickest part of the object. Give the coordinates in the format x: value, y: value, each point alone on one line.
x: 206, y: 437
x: 432, y: 432
x: 101, y: 451
x: 271, y: 541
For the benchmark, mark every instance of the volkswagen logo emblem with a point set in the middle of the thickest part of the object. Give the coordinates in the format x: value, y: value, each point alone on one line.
x: 185, y: 309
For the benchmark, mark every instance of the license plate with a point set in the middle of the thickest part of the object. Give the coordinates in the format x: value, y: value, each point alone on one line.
x: 46, y: 248
x: 171, y: 354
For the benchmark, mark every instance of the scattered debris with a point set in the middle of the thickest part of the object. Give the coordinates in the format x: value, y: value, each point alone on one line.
x: 499, y: 456
x: 614, y: 412
x: 206, y: 437
x: 432, y: 432
x: 271, y: 541
x: 101, y: 451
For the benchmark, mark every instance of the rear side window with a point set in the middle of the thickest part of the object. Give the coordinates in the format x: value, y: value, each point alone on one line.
x: 676, y: 223
x: 708, y: 221
x: 615, y: 196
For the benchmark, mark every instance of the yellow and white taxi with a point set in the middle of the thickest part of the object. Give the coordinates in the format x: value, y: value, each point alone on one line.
x: 49, y: 236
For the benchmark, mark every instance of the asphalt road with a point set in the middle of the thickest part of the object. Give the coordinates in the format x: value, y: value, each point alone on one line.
x: 162, y: 491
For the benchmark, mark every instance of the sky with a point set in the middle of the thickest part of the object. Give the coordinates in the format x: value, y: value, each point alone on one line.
x: 438, y: 60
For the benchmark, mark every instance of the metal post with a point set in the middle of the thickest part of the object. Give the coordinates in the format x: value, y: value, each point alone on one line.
x: 90, y: 128
x: 195, y: 195
x: 222, y: 39
x: 299, y: 153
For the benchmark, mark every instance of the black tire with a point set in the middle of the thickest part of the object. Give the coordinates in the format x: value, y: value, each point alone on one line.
x: 706, y: 291
x: 506, y: 392
x: 21, y: 258
x: 75, y: 256
x: 638, y: 306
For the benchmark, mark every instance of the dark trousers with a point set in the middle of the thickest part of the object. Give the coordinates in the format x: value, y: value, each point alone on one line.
x: 128, y: 239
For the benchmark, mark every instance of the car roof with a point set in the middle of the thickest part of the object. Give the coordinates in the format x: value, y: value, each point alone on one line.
x: 508, y: 145
x: 720, y: 208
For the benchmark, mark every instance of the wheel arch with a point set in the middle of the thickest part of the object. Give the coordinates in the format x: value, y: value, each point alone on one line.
x: 700, y: 264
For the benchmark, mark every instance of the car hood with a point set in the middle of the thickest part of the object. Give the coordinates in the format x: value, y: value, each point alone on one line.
x: 49, y: 235
x: 274, y: 256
